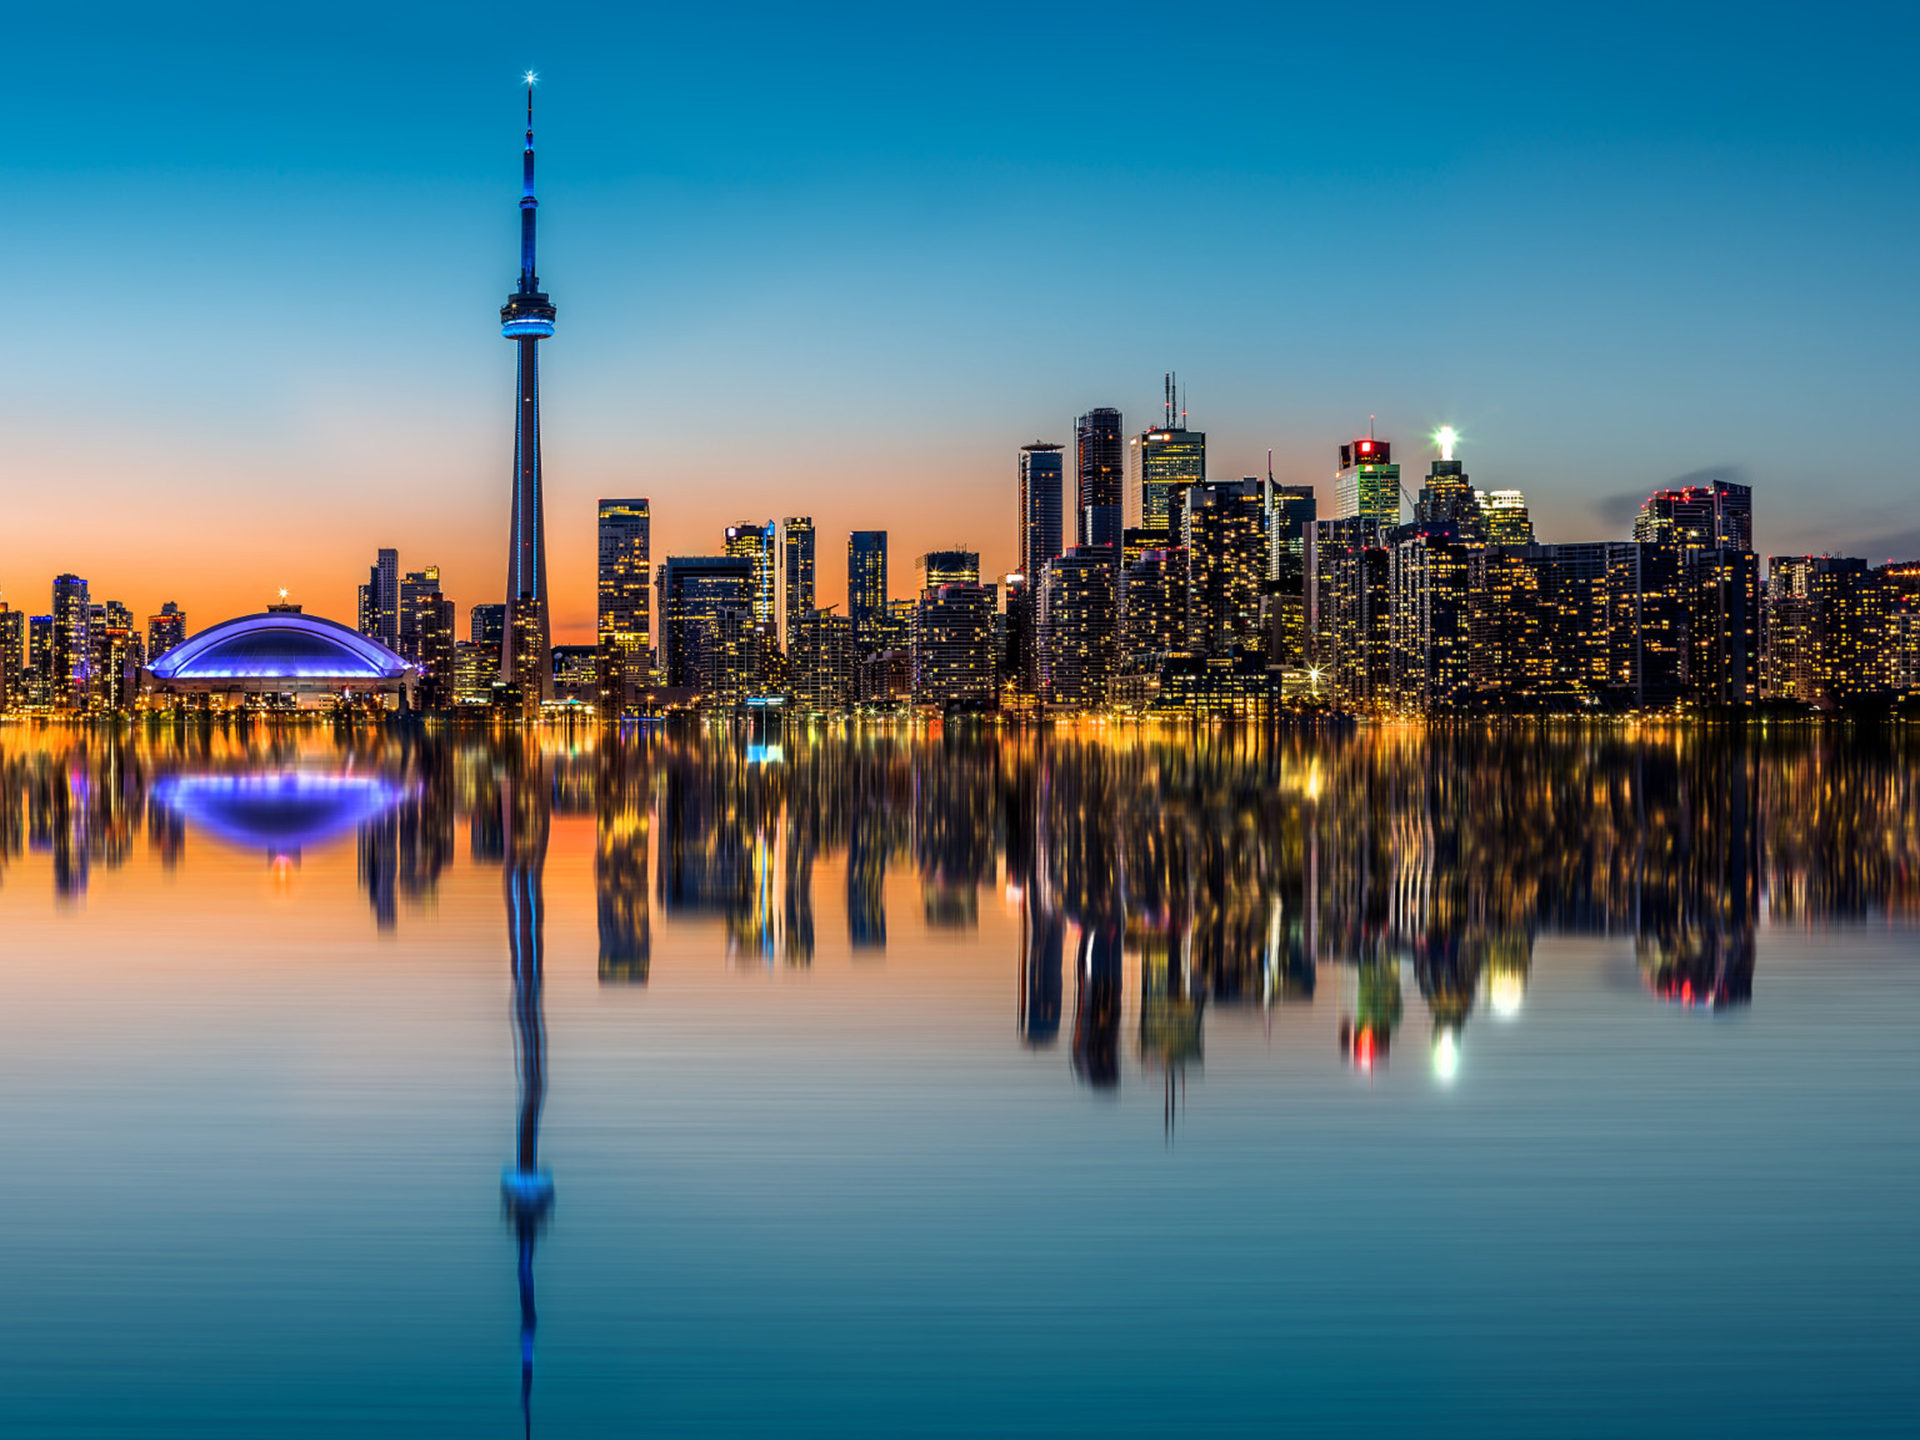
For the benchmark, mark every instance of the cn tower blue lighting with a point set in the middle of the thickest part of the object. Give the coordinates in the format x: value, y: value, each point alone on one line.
x: 281, y: 813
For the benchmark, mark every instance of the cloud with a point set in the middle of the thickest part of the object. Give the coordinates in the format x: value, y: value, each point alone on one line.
x: 1882, y: 546
x: 1617, y: 511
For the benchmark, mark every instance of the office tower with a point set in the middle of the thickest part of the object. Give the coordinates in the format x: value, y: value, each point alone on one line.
x: 1164, y: 462
x: 1367, y: 485
x: 794, y: 584
x: 527, y: 319
x: 13, y: 657
x: 1153, y: 606
x: 1504, y: 517
x: 952, y: 646
x: 1076, y: 629
x: 756, y: 543
x: 1041, y: 479
x: 70, y: 678
x: 1100, y: 458
x: 165, y: 630
x: 1349, y: 610
x: 418, y: 590
x: 1223, y: 529
x: 1723, y: 627
x: 1291, y: 512
x: 867, y: 587
x: 1698, y: 517
x: 948, y: 567
x: 625, y: 593
x: 706, y: 618
x: 820, y: 662
x: 1447, y: 498
x: 1435, y: 580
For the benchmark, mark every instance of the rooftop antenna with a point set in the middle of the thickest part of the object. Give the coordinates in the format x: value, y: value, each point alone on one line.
x: 1183, y: 408
x: 1369, y: 427
x: 1167, y: 399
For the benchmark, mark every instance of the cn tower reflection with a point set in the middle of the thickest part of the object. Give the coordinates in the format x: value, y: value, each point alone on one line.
x: 526, y: 1190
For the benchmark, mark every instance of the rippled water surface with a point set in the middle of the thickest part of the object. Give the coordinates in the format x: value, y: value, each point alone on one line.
x: 1557, y: 1083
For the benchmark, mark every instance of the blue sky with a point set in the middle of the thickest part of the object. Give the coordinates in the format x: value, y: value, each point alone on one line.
x: 844, y: 260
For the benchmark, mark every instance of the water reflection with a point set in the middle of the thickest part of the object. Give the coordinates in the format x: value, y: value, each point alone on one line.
x: 1170, y: 874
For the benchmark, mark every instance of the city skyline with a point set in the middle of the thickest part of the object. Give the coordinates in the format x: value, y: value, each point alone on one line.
x: 1418, y: 324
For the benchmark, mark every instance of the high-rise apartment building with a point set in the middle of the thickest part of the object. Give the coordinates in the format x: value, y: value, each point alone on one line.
x: 1224, y: 532
x: 1153, y: 604
x: 378, y: 612
x: 794, y: 587
x: 1349, y: 606
x: 1718, y: 516
x: 1826, y: 629
x: 70, y: 676
x: 434, y: 622
x: 625, y: 595
x: 867, y: 588
x: 1724, y: 618
x: 1041, y: 480
x: 13, y: 657
x: 1436, y: 581
x: 1367, y: 485
x: 1076, y: 625
x: 418, y: 590
x: 1100, y: 462
x: 165, y: 630
x: 952, y: 646
x: 753, y: 542
x: 117, y: 657
x: 820, y: 662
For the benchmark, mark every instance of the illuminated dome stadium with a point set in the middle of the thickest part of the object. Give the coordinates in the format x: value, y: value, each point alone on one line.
x: 280, y: 651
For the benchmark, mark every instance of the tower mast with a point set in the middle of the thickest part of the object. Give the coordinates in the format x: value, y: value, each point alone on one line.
x: 526, y: 648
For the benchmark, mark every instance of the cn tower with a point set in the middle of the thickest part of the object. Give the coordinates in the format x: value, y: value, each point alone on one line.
x: 526, y: 654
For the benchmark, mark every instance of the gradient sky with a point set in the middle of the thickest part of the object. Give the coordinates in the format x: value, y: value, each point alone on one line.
x: 845, y: 260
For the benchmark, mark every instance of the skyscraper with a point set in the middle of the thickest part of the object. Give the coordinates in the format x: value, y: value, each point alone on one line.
x: 1504, y: 513
x: 706, y: 616
x: 1367, y: 485
x: 379, y: 610
x: 165, y: 630
x: 867, y: 587
x: 1224, y: 533
x: 13, y: 657
x: 756, y: 543
x: 1076, y: 625
x: 1291, y: 512
x: 527, y: 319
x: 70, y: 677
x: 419, y: 589
x: 1041, y: 479
x: 1100, y: 457
x: 1166, y: 461
x: 1448, y: 497
x: 948, y: 567
x: 1718, y: 516
x: 794, y: 584
x: 625, y: 596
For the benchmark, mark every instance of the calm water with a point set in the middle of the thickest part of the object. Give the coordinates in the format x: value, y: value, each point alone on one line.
x: 1559, y: 1084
